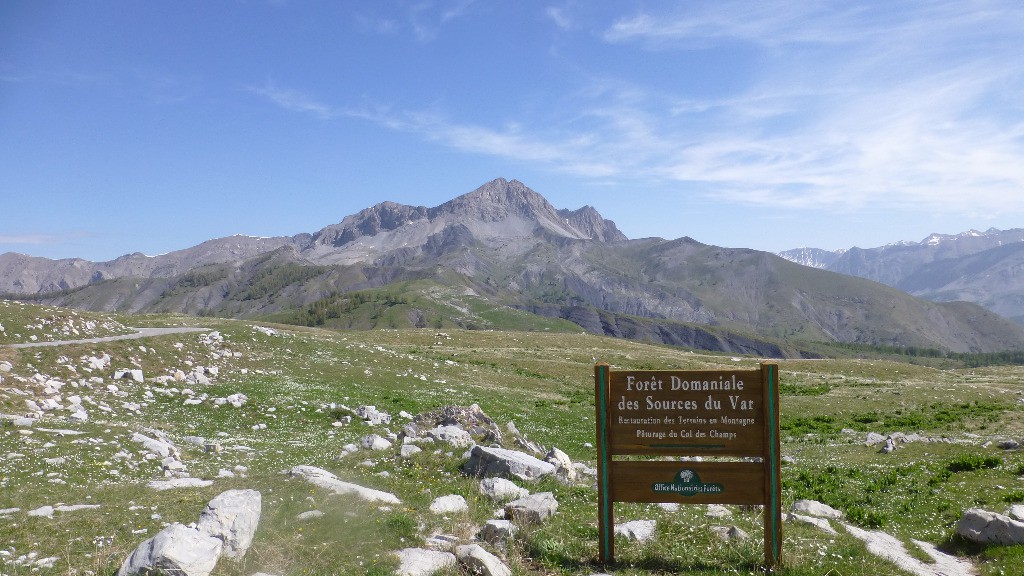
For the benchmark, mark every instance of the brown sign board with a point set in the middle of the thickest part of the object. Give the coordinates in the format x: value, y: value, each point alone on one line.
x: 724, y: 413
x: 692, y: 413
x: 707, y: 483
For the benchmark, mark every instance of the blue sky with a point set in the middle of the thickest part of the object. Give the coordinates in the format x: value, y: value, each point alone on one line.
x: 152, y: 126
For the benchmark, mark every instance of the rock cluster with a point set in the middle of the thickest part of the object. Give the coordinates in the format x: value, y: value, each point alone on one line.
x: 498, y: 468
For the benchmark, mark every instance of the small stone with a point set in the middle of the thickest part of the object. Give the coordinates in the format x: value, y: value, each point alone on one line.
x: 451, y: 504
x: 375, y: 442
x: 408, y: 450
x: 639, y: 530
x: 815, y: 508
x: 422, y: 562
x: 730, y: 533
x: 480, y: 561
x: 532, y: 509
x: 718, y: 511
x: 497, y: 531
x: 501, y: 489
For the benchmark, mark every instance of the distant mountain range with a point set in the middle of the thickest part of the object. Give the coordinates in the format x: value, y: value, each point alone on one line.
x: 986, y: 268
x: 502, y: 256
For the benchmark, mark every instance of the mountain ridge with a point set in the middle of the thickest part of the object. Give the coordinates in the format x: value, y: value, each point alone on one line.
x: 503, y: 247
x: 989, y: 267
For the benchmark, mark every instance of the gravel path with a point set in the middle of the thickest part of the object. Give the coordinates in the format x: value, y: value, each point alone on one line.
x: 886, y: 546
x: 140, y: 333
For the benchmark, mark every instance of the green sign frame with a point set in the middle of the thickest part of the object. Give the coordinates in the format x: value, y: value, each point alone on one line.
x: 726, y: 413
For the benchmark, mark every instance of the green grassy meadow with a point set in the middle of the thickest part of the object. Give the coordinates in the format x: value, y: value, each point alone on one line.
x: 542, y: 381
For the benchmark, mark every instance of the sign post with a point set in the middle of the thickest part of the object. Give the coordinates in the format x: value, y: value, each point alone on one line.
x: 728, y: 413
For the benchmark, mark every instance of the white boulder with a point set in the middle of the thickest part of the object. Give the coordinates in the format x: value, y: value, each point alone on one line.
x: 176, y: 549
x: 232, y: 517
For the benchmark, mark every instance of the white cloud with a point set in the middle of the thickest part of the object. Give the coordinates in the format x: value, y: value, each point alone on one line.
x: 559, y: 16
x: 913, y: 107
x: 427, y: 18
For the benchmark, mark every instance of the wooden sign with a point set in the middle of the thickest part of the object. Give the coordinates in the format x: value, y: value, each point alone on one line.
x: 730, y: 413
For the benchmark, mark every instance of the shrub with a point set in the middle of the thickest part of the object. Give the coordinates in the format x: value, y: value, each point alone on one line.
x: 1014, y: 497
x: 866, y: 518
x: 969, y: 462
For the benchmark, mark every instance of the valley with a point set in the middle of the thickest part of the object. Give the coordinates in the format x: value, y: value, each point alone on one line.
x: 246, y: 405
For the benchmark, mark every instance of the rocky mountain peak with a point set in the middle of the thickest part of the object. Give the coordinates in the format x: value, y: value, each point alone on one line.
x: 497, y: 199
x: 369, y: 222
x: 590, y: 222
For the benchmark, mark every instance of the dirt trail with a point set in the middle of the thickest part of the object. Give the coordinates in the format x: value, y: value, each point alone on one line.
x: 140, y: 333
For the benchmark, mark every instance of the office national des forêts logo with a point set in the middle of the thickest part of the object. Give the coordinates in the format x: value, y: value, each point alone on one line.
x: 687, y: 483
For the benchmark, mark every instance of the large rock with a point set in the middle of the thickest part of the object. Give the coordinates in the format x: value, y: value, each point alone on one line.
x: 815, y: 508
x: 158, y: 447
x: 178, y: 483
x: 501, y: 489
x: 471, y: 419
x: 532, y: 509
x: 326, y: 480
x: 452, y: 434
x: 485, y: 461
x: 821, y: 523
x: 176, y: 549
x: 562, y: 463
x: 129, y: 374
x: 1016, y: 512
x: 480, y: 561
x: 497, y: 531
x: 730, y: 533
x: 873, y: 438
x: 639, y: 530
x: 990, y: 528
x: 375, y: 442
x: 422, y: 562
x: 232, y: 517
x: 451, y: 504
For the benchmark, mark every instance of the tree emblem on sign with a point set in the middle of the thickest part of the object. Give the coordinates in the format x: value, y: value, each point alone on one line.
x: 687, y: 483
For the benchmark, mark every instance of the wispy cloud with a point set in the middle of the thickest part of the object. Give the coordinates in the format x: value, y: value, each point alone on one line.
x: 295, y: 100
x: 913, y: 107
x: 424, y: 19
x: 559, y: 16
x: 908, y: 110
x: 36, y: 239
x: 55, y: 77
